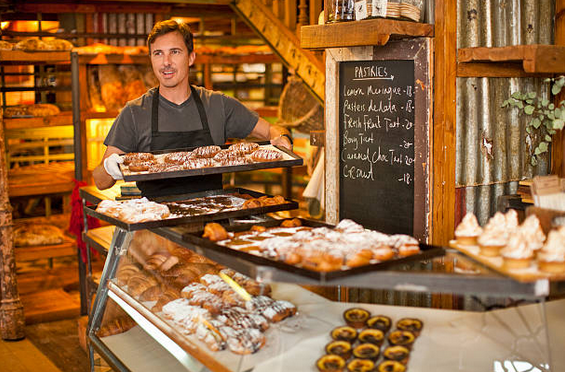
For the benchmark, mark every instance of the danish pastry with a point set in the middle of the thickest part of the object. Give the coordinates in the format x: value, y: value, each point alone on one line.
x: 244, y: 147
x: 266, y: 155
x: 215, y: 232
x: 178, y: 158
x: 137, y: 157
x: 206, y: 151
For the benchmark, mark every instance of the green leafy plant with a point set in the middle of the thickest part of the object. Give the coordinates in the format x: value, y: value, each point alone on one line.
x: 546, y: 117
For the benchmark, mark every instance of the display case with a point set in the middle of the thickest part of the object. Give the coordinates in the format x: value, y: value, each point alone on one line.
x: 147, y: 269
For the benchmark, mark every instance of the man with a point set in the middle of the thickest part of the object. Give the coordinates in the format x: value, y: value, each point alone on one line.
x: 178, y: 115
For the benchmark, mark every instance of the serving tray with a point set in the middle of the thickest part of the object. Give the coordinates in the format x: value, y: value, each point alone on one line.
x: 530, y: 274
x: 426, y: 252
x: 290, y: 159
x: 211, y: 216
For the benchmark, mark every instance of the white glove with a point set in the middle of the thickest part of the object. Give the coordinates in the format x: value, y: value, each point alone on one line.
x: 112, y: 166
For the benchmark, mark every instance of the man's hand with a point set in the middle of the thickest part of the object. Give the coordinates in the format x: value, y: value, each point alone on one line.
x: 112, y: 166
x: 282, y: 141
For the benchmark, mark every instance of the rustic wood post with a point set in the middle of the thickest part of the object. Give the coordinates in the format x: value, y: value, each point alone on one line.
x: 11, y: 309
x: 558, y: 148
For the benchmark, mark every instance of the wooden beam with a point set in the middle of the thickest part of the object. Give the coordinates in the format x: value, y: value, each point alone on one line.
x: 444, y: 136
x: 494, y: 69
x: 360, y: 33
x: 558, y: 147
x: 535, y: 58
x: 12, y: 322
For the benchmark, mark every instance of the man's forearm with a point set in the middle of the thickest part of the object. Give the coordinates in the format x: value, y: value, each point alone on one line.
x: 102, y: 179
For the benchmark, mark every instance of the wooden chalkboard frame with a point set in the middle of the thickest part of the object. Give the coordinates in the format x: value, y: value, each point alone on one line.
x: 420, y: 51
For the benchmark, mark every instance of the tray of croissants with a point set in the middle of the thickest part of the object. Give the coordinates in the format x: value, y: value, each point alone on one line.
x: 142, y: 213
x: 204, y: 160
x: 313, y: 249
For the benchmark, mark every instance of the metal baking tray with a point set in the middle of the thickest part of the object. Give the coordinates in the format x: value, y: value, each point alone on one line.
x: 426, y: 252
x: 289, y: 204
x: 291, y: 160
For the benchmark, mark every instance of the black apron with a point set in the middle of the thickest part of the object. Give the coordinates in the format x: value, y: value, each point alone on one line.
x: 179, y: 140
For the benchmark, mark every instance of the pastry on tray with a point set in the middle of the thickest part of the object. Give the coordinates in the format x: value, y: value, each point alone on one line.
x: 468, y: 231
x: 330, y: 363
x: 366, y: 351
x: 361, y: 365
x: 410, y: 324
x: 518, y: 253
x: 398, y: 353
x: 551, y: 258
x: 344, y: 333
x: 356, y: 317
x: 391, y: 366
x: 372, y: 336
x: 341, y: 348
x: 381, y: 322
x: 403, y: 338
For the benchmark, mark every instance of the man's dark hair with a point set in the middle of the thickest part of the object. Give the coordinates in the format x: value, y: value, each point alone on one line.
x: 165, y: 27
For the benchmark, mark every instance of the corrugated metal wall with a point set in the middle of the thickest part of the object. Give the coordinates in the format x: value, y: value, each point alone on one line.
x: 492, y: 144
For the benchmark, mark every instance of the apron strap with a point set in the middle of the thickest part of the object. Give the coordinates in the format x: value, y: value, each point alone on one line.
x: 199, y: 107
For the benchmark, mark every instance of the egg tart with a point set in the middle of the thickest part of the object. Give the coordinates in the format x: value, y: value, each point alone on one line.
x: 341, y: 348
x: 356, y: 317
x: 398, y: 353
x: 403, y: 338
x: 381, y: 322
x: 361, y: 365
x: 344, y: 333
x: 410, y: 324
x: 391, y: 366
x: 330, y: 363
x: 366, y: 351
x: 372, y: 336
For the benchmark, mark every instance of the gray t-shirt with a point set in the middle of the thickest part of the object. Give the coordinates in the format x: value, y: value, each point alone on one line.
x: 227, y: 118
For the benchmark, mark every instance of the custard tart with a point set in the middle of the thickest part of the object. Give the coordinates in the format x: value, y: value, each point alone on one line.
x: 403, y: 338
x: 356, y: 317
x: 344, y: 333
x: 381, y: 322
x: 391, y: 366
x: 372, y: 336
x: 398, y: 353
x: 410, y: 324
x: 341, y: 348
x: 330, y: 363
x: 366, y: 351
x: 361, y: 365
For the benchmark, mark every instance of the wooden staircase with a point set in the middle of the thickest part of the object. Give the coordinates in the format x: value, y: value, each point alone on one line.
x: 276, y: 22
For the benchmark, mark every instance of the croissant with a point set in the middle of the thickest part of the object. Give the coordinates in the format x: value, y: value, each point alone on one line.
x: 215, y: 232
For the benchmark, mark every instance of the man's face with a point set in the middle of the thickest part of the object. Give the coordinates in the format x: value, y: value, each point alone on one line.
x: 170, y: 59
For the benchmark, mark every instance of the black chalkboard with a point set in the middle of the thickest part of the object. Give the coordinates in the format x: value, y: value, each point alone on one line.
x: 376, y: 144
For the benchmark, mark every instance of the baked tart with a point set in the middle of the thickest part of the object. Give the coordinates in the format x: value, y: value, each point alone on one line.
x: 356, y: 317
x: 397, y: 353
x: 372, y: 336
x: 366, y: 351
x: 361, y: 365
x: 330, y: 363
x: 381, y: 322
x: 410, y: 324
x: 403, y: 338
x: 341, y: 348
x: 344, y: 333
x: 391, y: 366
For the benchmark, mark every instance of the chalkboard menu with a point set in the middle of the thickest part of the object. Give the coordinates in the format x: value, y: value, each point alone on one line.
x: 376, y: 121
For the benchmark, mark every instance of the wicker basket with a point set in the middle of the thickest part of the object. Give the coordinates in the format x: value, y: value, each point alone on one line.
x: 298, y: 109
